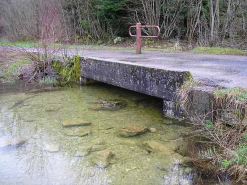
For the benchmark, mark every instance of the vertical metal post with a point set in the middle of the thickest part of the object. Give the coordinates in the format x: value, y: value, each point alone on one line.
x: 139, y: 35
x: 138, y: 38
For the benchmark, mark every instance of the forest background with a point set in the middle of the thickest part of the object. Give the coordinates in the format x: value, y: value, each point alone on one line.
x: 194, y: 22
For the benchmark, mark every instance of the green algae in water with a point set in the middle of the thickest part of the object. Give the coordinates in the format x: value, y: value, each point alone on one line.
x: 132, y: 163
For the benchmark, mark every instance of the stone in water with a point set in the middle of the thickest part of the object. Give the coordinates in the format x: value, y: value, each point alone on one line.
x: 75, y: 123
x: 78, y: 132
x: 102, y: 158
x: 132, y: 130
x: 53, y: 147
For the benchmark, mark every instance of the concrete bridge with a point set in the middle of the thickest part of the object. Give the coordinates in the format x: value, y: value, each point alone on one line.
x: 151, y: 81
x: 161, y: 74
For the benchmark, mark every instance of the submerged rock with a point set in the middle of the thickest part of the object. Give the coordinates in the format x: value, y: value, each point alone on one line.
x: 11, y: 142
x: 154, y: 146
x: 188, y: 170
x: 165, y: 164
x: 78, y: 132
x: 110, y: 105
x: 178, y: 146
x: 86, y: 150
x: 186, y: 162
x: 118, y: 40
x: 96, y: 148
x: 82, y: 151
x: 51, y: 147
x: 75, y: 123
x: 18, y: 142
x: 102, y: 158
x: 99, y: 142
x: 153, y: 130
x: 132, y: 130
x: 5, y: 143
x: 168, y: 121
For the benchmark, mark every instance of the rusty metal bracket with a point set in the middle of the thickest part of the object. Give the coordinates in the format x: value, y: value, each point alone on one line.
x: 138, y: 35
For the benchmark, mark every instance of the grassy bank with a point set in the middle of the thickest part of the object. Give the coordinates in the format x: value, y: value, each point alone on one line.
x: 12, y: 63
x: 218, y: 51
x: 16, y: 65
x: 219, y: 145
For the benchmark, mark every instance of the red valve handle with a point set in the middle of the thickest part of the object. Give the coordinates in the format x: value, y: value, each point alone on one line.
x: 146, y: 26
x: 130, y: 31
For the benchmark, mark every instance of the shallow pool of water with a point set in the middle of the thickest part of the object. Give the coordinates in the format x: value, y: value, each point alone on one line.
x: 35, y: 149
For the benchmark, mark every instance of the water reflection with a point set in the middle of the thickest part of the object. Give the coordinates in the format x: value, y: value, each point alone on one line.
x: 48, y: 154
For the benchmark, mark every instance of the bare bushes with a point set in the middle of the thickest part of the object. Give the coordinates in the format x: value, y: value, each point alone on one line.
x: 19, y: 19
x: 51, y: 31
x: 220, y: 142
x: 43, y: 22
x: 201, y: 22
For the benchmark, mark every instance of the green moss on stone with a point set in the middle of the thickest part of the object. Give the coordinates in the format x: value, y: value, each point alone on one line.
x: 187, y: 76
x: 70, y: 72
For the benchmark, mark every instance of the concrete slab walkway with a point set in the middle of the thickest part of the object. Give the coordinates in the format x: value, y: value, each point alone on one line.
x: 223, y: 70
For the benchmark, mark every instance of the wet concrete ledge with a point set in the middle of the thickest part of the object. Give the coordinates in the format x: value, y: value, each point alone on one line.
x: 151, y: 81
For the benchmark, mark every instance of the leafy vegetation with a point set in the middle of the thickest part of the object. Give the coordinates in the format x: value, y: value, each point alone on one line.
x: 209, y: 124
x: 69, y: 71
x: 225, y: 163
x: 240, y: 157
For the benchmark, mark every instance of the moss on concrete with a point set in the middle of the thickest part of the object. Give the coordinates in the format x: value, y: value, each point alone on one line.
x: 70, y: 71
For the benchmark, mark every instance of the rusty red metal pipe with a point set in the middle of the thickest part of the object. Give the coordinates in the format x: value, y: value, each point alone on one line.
x: 139, y: 35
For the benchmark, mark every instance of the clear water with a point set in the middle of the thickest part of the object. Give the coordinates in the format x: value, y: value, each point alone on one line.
x: 37, y: 116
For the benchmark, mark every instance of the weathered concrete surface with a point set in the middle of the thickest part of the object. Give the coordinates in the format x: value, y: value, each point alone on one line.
x: 200, y: 103
x: 213, y: 70
x: 155, y: 82
x: 134, y: 72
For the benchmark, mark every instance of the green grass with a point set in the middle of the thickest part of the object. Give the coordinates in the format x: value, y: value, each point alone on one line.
x: 239, y: 93
x: 4, y: 42
x: 218, y: 51
x: 15, y: 67
x: 240, y: 156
